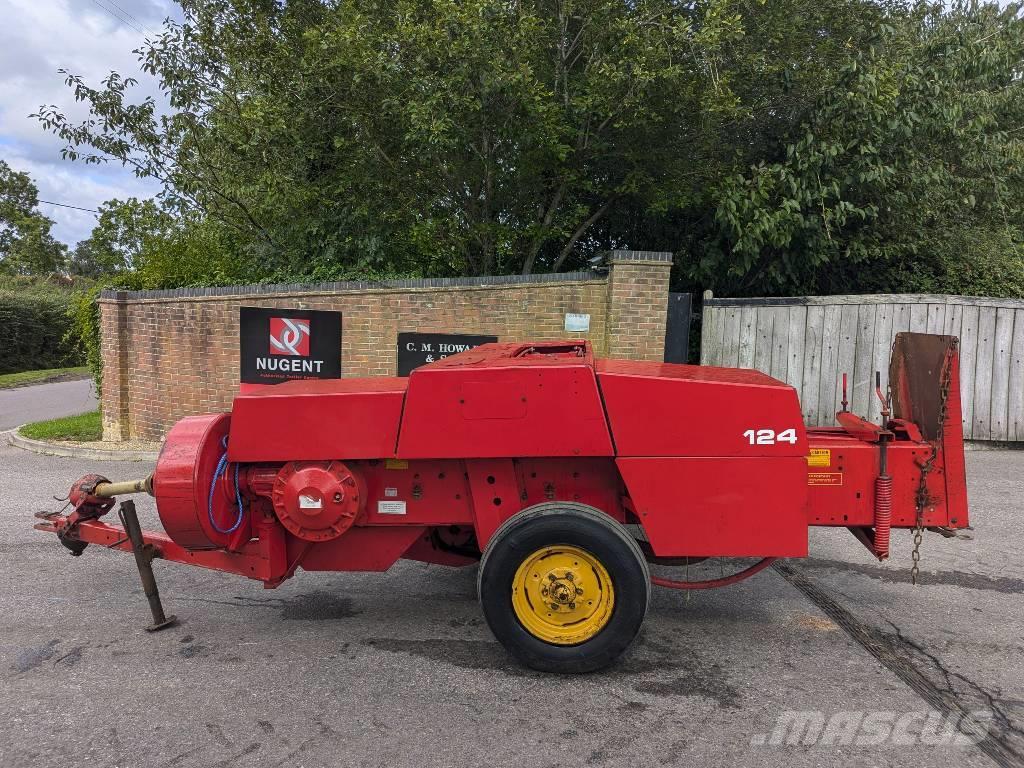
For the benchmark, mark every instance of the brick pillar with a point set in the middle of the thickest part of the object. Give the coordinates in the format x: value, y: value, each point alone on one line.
x: 637, y: 304
x: 114, y: 350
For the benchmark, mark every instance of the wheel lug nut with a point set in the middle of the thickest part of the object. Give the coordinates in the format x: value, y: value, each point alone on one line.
x: 544, y: 591
x: 551, y: 577
x: 570, y: 576
x: 579, y: 591
x: 572, y: 606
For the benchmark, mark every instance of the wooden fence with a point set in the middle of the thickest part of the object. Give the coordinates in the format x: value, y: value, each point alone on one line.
x: 809, y: 342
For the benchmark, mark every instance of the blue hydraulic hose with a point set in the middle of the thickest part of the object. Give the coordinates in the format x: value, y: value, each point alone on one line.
x: 222, y: 465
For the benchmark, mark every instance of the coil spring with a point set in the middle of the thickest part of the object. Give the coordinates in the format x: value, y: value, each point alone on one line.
x: 883, y: 515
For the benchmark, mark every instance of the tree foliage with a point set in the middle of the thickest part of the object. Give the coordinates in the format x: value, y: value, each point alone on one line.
x: 907, y: 175
x: 775, y: 145
x: 39, y: 332
x: 26, y: 245
x: 431, y: 136
x: 124, y: 232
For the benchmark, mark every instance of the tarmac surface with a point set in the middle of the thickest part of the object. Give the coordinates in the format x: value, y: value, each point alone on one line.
x: 398, y: 669
x: 21, y: 405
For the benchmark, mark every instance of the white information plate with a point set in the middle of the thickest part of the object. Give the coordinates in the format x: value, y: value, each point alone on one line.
x: 577, y: 323
x: 391, y: 507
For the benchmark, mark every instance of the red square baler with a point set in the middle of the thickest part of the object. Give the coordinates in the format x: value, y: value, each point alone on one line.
x: 561, y: 475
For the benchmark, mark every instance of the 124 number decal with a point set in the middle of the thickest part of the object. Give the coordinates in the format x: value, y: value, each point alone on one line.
x: 770, y: 436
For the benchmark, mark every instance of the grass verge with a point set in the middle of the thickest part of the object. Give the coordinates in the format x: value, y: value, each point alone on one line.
x: 8, y: 380
x: 84, y: 427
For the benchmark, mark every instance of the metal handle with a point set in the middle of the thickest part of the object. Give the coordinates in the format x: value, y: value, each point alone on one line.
x: 883, y: 399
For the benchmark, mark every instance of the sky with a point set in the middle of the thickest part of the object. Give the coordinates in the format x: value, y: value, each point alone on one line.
x: 89, y: 38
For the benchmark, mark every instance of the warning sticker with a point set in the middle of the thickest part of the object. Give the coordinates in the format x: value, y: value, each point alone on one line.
x: 310, y: 502
x: 396, y: 464
x: 819, y: 457
x: 391, y: 507
x: 824, y: 478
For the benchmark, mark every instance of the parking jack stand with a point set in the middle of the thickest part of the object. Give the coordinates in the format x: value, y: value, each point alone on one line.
x: 144, y: 554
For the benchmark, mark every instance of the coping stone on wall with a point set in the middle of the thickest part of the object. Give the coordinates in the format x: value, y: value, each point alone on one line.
x: 354, y: 285
x: 638, y: 257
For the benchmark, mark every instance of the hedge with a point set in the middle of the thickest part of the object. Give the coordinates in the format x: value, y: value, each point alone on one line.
x: 37, y: 331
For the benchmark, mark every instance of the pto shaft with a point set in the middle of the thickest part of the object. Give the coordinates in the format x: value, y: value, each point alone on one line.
x: 110, y: 490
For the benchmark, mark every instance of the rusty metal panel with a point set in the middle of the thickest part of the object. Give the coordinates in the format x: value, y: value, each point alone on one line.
x: 915, y: 371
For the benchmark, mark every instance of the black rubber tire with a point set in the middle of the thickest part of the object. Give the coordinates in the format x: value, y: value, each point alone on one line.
x: 565, y: 523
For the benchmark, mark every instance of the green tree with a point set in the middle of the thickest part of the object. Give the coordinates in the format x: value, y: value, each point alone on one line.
x: 775, y: 145
x: 26, y: 245
x: 124, y: 232
x: 414, y: 135
x: 908, y: 175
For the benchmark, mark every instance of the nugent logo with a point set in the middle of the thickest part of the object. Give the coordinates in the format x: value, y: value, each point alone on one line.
x: 278, y: 344
x: 289, y: 336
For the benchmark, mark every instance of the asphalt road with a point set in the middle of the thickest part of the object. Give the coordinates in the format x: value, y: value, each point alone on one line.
x: 22, y: 405
x: 398, y: 669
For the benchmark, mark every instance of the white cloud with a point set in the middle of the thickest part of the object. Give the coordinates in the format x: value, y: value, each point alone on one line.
x: 90, y: 38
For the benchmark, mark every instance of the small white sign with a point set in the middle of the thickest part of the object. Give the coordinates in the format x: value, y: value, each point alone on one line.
x: 390, y: 507
x: 577, y: 323
x: 390, y: 492
x: 310, y: 502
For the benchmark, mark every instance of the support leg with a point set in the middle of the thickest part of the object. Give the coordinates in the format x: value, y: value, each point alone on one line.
x: 144, y: 560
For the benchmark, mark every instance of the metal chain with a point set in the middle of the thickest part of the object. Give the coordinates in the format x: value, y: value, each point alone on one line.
x: 926, y: 466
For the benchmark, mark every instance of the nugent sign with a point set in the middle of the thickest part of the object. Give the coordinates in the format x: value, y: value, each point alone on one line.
x: 281, y: 344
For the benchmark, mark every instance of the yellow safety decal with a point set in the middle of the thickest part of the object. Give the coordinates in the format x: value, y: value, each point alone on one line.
x: 824, y: 478
x: 819, y: 457
x: 396, y: 464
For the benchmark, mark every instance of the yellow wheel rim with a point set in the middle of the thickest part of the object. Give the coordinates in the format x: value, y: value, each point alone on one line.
x: 562, y: 595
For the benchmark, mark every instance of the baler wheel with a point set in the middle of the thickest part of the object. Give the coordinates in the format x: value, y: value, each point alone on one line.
x: 564, y: 587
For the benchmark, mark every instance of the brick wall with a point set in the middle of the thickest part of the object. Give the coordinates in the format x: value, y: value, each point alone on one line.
x: 169, y: 354
x: 637, y: 304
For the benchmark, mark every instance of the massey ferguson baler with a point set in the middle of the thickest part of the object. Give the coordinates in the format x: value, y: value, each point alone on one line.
x: 562, y: 475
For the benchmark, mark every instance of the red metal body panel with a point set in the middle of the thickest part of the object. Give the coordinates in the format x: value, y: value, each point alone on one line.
x: 661, y: 409
x: 429, y: 492
x: 360, y: 549
x: 316, y: 420
x: 842, y: 493
x: 716, y: 506
x: 495, y: 490
x: 595, y: 482
x: 504, y: 401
